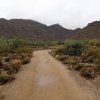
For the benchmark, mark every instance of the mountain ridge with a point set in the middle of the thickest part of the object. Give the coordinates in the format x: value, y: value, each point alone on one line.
x: 92, y: 30
x: 30, y: 29
x: 33, y: 30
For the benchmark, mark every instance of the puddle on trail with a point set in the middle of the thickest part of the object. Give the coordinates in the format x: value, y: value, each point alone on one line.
x: 46, y: 80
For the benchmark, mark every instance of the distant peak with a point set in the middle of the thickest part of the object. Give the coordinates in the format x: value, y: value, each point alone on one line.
x: 94, y: 23
x: 56, y: 25
x: 3, y: 19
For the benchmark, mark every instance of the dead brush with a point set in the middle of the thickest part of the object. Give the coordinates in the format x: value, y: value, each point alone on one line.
x: 6, y: 78
x: 26, y: 60
x: 15, y: 64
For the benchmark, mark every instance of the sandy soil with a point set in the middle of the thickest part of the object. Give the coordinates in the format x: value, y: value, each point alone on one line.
x: 45, y: 79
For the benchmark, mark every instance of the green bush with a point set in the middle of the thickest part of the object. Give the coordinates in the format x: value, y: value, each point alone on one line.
x: 25, y: 49
x: 74, y: 48
x: 9, y: 45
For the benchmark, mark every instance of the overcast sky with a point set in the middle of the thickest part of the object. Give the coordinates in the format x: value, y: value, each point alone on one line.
x: 68, y: 13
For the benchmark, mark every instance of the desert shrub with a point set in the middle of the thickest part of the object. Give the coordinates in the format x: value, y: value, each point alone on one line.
x: 0, y: 62
x: 6, y: 66
x: 17, y: 43
x: 13, y: 70
x: 97, y: 61
x: 78, y: 66
x: 6, y: 78
x: 91, y: 55
x: 71, y: 60
x: 59, y: 50
x: 88, y: 72
x: 25, y: 49
x: 29, y: 55
x: 15, y: 65
x: 7, y: 59
x: 12, y: 66
x: 92, y: 51
x: 53, y: 53
x: 65, y: 61
x: 95, y: 42
x: 89, y: 59
x: 13, y: 53
x: 62, y: 57
x: 26, y: 60
x: 4, y: 54
x: 6, y: 45
x: 10, y: 72
x: 74, y: 48
x: 15, y: 62
x: 9, y: 45
x: 97, y: 68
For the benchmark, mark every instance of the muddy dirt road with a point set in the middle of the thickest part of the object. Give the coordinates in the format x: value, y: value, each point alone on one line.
x: 45, y: 79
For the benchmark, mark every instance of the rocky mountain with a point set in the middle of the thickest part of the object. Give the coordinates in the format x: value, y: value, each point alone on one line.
x: 30, y: 29
x: 92, y: 30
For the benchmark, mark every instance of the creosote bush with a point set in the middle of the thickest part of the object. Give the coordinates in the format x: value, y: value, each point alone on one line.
x: 74, y: 48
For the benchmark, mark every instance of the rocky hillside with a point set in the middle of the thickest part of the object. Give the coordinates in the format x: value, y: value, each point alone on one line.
x: 30, y: 29
x: 92, y: 30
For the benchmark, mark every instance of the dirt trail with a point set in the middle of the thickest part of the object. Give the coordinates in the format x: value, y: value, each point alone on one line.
x: 45, y: 79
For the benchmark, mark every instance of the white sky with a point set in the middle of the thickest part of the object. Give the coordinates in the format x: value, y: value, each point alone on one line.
x: 68, y: 13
